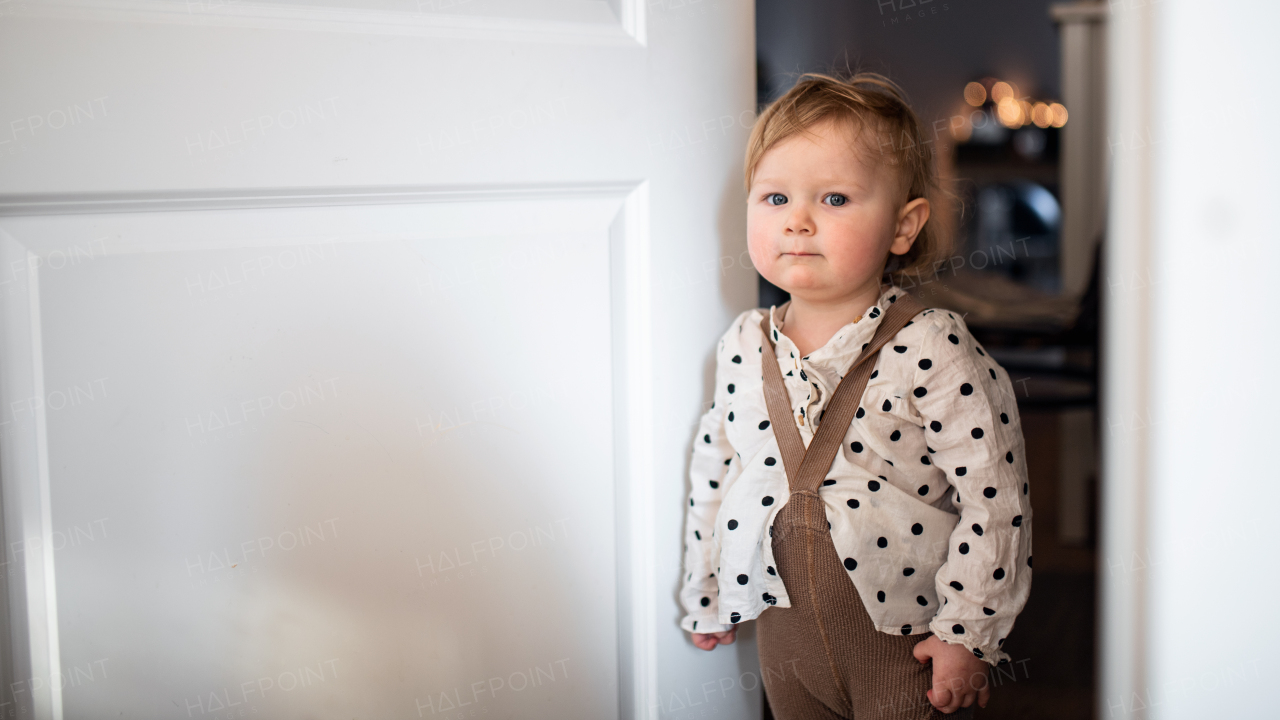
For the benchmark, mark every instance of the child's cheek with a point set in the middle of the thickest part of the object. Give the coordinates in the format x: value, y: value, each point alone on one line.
x: 758, y: 249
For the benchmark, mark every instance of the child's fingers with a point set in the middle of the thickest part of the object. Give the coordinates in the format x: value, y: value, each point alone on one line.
x: 984, y: 695
x: 704, y: 641
x: 955, y: 694
x: 940, y: 697
x: 920, y: 652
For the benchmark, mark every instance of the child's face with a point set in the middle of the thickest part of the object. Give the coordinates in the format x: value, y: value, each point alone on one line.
x: 822, y: 218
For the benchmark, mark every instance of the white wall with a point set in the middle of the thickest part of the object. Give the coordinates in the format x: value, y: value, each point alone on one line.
x: 1189, y: 563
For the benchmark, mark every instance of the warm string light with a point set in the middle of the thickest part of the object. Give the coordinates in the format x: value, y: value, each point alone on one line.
x: 975, y: 94
x: 1010, y: 110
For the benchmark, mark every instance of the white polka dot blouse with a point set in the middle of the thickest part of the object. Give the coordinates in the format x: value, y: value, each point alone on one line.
x: 927, y: 499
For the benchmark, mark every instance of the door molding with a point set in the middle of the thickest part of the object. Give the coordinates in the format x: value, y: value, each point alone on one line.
x: 242, y: 198
x: 629, y: 30
x: 26, y: 490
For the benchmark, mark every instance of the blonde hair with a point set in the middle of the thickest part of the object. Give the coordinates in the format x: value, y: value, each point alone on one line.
x: 865, y: 99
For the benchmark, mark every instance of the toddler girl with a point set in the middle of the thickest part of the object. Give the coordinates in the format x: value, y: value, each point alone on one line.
x: 887, y: 552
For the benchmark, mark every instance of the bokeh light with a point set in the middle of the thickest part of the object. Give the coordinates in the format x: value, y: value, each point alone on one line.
x: 1001, y: 91
x: 975, y: 94
x: 1041, y: 115
x: 1009, y: 111
x: 1059, y: 115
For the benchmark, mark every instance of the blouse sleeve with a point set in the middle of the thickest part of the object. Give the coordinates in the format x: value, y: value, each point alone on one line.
x: 971, y: 418
x: 712, y: 456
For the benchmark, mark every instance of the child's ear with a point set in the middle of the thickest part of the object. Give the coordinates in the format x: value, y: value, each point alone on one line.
x: 911, y: 220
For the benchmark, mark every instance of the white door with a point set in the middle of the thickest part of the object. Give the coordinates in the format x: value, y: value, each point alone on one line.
x: 352, y: 352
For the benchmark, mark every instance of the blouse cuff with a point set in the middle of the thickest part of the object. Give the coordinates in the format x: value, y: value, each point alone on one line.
x: 703, y: 624
x: 990, y: 655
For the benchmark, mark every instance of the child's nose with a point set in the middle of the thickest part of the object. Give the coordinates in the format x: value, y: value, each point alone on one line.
x: 800, y: 221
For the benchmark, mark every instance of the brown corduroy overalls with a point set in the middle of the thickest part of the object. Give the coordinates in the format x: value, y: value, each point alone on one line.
x: 837, y: 666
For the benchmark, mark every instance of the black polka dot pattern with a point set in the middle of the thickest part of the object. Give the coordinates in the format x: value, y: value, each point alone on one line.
x: 954, y: 394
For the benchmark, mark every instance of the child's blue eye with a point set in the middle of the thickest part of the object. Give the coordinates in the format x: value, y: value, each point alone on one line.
x: 776, y: 199
x: 836, y: 199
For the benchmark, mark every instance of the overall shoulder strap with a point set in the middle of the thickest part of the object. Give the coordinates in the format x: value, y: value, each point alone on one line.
x: 806, y: 469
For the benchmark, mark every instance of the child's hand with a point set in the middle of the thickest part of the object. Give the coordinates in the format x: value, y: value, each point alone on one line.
x: 709, y: 641
x: 958, y: 677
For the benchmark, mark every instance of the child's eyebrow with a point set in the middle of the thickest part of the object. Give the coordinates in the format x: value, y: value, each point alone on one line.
x: 814, y: 180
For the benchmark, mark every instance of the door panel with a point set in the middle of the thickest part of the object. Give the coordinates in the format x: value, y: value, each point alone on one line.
x: 332, y: 355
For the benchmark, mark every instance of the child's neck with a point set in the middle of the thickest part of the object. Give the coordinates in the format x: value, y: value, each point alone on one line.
x: 811, y: 323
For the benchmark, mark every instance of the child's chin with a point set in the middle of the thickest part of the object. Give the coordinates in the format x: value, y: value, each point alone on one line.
x: 801, y: 280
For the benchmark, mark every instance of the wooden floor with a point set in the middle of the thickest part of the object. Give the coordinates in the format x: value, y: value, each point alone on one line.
x: 1052, y: 676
